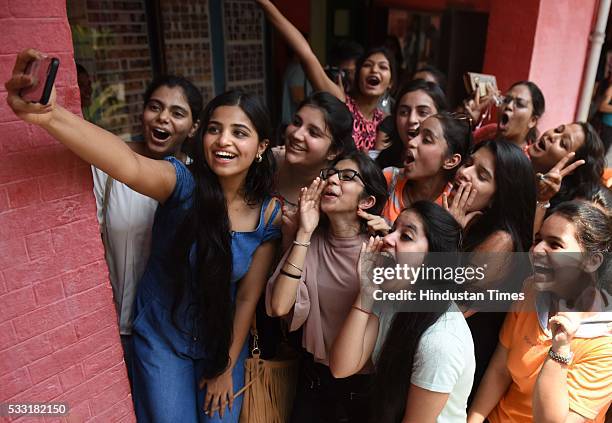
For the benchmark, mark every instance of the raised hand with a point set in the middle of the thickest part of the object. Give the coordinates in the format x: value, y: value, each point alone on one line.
x: 309, y: 205
x: 476, y: 106
x: 38, y: 114
x: 462, y: 201
x: 549, y: 184
x: 376, y: 224
x: 368, y: 259
x: 563, y: 327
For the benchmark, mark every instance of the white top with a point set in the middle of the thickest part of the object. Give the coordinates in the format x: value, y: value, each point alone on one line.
x: 444, y: 361
x: 126, y: 233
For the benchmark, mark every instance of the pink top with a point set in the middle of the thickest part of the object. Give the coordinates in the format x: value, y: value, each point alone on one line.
x: 364, y: 131
x: 326, y: 291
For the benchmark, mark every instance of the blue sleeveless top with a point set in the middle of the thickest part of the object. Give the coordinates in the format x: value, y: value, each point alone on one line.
x: 156, y: 281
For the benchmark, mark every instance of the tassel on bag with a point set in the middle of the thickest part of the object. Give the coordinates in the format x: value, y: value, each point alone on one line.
x: 270, y: 386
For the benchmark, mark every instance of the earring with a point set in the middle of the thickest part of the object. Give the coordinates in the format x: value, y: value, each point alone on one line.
x: 258, y: 158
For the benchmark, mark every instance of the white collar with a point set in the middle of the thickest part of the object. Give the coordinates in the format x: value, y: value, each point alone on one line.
x: 601, y: 322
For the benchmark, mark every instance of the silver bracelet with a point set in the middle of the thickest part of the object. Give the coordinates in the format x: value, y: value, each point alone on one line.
x: 563, y: 359
x: 302, y: 244
x: 543, y: 204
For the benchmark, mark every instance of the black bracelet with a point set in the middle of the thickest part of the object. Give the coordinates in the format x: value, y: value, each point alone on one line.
x: 283, y: 272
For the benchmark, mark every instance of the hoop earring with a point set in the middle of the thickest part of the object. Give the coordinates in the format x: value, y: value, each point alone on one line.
x: 258, y: 158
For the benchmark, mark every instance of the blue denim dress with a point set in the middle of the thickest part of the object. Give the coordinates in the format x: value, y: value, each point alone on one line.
x: 168, y: 362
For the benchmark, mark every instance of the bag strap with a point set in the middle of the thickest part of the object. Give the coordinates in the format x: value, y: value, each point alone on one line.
x: 107, y: 189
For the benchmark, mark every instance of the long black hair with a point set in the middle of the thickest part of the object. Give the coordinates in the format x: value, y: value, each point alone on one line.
x: 338, y: 119
x: 585, y: 181
x: 395, y: 363
x: 205, y: 234
x: 512, y: 209
x: 394, y: 154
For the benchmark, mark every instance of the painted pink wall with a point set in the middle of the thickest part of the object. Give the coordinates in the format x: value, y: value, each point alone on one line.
x: 559, y: 56
x: 510, y: 40
x: 59, y: 340
x: 545, y: 41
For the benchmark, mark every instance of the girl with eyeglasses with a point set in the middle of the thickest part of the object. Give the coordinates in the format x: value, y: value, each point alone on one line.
x: 430, y: 161
x: 315, y: 282
x: 321, y: 130
x: 517, y: 117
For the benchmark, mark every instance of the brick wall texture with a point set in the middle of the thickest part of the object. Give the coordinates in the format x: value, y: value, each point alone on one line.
x: 243, y: 25
x: 58, y: 335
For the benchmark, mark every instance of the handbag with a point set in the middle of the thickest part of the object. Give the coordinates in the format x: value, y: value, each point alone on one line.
x: 270, y: 385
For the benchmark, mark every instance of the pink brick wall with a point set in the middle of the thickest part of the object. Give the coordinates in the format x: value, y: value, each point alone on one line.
x: 58, y: 335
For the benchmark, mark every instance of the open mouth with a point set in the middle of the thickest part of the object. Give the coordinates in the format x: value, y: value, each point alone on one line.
x: 409, y: 158
x: 504, y: 121
x: 544, y: 272
x: 330, y: 193
x: 373, y: 80
x: 160, y: 134
x: 413, y: 132
x: 541, y: 145
x: 224, y: 155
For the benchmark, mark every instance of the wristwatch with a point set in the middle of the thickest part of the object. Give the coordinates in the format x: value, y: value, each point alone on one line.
x: 563, y: 359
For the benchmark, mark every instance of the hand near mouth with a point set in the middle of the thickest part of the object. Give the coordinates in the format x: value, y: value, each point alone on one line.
x: 309, y: 205
x: 549, y: 184
x: 462, y: 201
x: 368, y: 259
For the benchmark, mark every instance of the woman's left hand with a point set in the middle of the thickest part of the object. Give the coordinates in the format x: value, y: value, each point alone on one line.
x: 563, y: 326
x: 463, y: 199
x: 219, y: 393
x: 376, y: 224
x: 549, y: 184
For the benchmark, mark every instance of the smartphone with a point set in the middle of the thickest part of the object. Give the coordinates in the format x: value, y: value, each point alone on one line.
x: 43, y: 72
x: 480, y: 80
x: 334, y: 72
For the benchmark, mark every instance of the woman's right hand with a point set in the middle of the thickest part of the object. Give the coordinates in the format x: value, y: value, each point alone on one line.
x: 309, y: 205
x: 476, y: 106
x: 37, y: 114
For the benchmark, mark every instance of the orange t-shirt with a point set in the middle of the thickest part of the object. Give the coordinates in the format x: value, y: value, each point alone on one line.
x: 396, y: 181
x: 589, y: 377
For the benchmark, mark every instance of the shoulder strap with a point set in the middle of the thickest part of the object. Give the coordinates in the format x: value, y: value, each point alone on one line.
x: 277, y: 207
x: 107, y: 189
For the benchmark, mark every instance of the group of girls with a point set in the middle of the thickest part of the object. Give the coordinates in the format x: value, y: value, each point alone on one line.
x: 210, y: 228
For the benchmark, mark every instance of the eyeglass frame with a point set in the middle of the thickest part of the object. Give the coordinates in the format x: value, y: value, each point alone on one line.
x: 338, y: 172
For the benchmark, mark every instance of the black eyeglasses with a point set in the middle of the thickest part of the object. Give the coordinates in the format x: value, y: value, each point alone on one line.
x: 343, y: 174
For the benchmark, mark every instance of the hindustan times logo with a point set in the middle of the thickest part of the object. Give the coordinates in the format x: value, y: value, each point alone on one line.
x: 405, y: 272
